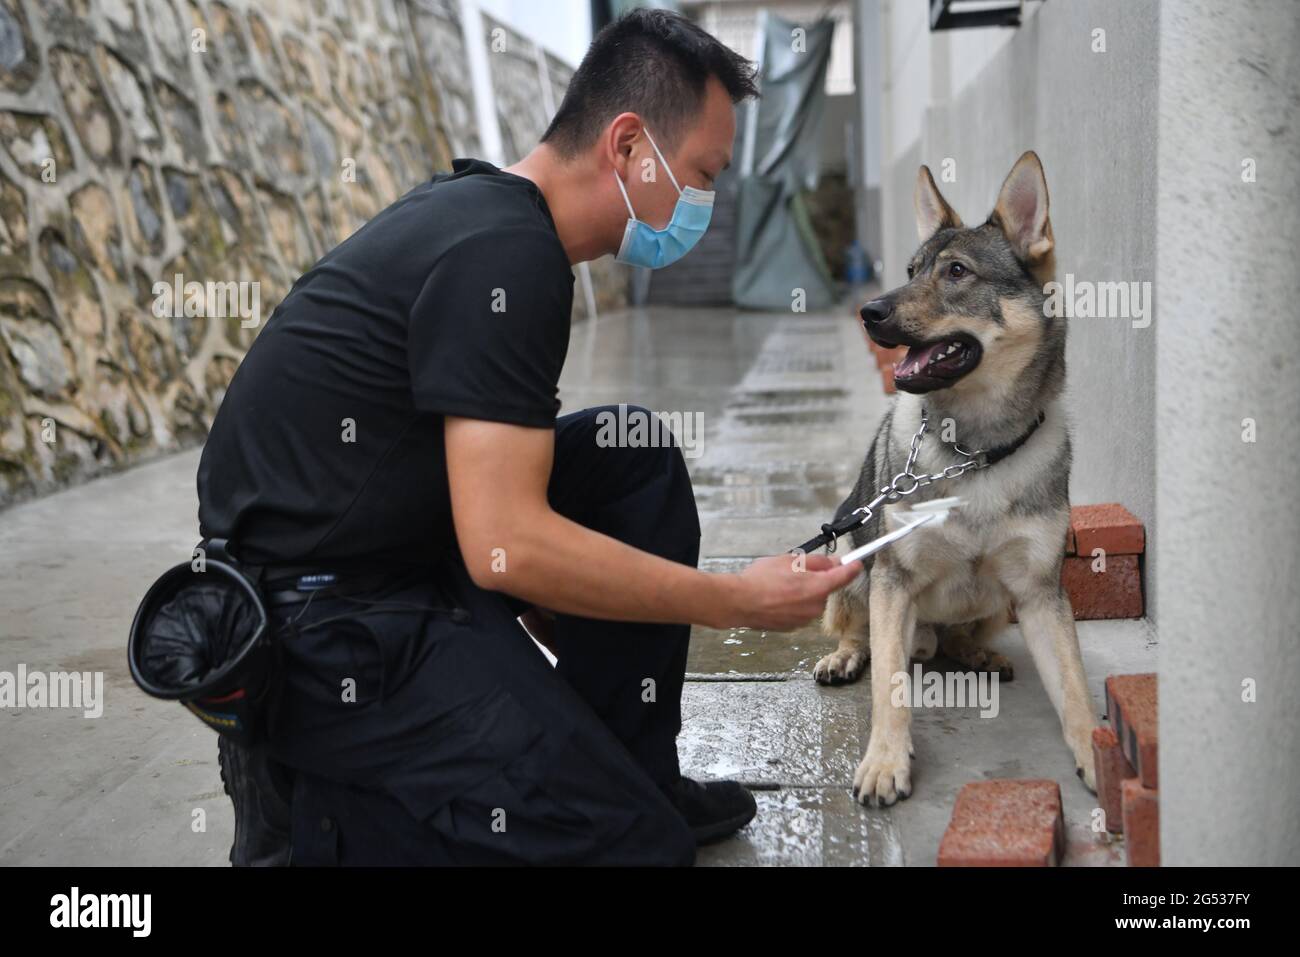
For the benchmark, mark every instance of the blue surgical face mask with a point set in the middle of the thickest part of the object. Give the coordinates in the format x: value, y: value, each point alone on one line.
x: 643, y: 245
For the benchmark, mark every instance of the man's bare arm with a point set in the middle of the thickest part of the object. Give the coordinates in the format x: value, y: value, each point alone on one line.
x: 513, y: 541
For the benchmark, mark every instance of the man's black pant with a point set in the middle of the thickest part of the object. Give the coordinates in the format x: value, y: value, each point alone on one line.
x: 423, y: 726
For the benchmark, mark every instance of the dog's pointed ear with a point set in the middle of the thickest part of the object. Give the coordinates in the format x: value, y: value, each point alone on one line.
x: 1021, y: 210
x: 932, y: 211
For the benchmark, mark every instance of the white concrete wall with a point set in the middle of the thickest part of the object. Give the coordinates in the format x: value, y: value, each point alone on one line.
x: 971, y: 50
x: 981, y: 98
x: 1229, y: 546
x: 906, y: 65
x: 838, y: 133
x: 868, y: 72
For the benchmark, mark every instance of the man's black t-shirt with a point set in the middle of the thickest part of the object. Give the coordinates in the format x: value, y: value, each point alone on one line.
x: 328, y: 446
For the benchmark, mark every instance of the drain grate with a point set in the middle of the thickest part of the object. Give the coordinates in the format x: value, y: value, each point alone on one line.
x: 777, y: 363
x: 787, y: 398
x: 789, y: 475
x: 789, y: 417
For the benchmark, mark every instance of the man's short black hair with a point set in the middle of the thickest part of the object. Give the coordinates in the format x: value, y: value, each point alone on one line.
x: 651, y: 62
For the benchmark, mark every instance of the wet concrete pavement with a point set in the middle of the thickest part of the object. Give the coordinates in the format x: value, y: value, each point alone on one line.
x: 788, y: 405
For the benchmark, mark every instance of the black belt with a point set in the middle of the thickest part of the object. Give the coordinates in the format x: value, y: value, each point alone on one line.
x: 319, y: 583
x: 283, y: 584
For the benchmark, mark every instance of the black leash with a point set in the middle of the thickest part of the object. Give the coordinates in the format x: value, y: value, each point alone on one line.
x: 831, y: 531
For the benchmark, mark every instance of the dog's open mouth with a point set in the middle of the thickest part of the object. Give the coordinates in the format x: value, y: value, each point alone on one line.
x: 937, y: 365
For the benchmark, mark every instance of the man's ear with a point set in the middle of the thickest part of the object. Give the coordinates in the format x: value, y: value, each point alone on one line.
x: 1021, y: 210
x: 932, y: 210
x: 620, y: 136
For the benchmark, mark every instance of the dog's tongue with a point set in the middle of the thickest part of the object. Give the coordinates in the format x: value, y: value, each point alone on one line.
x: 919, y: 356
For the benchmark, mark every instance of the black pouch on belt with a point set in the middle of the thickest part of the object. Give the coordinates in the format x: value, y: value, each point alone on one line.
x: 201, y: 637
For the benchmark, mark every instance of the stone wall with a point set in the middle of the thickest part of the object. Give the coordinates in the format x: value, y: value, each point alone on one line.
x: 224, y: 141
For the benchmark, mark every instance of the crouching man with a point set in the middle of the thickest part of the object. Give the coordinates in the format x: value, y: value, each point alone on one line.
x: 389, y: 455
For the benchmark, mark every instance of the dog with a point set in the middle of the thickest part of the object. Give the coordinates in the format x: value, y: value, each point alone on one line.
x: 987, y: 365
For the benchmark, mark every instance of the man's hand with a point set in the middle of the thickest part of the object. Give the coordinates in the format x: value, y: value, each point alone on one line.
x: 783, y: 592
x: 512, y: 541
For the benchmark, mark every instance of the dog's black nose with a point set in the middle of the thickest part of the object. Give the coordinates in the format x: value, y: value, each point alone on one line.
x: 877, y: 311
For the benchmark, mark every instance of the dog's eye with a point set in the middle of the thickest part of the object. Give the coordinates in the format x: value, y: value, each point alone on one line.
x: 956, y: 270
x: 911, y: 270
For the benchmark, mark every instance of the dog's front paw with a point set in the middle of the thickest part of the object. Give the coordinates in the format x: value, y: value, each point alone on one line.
x: 841, y: 666
x: 885, y: 774
x: 1085, y: 768
x: 1078, y: 737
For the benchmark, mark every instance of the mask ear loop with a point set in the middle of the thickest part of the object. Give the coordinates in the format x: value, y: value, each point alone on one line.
x: 623, y: 189
x: 667, y: 168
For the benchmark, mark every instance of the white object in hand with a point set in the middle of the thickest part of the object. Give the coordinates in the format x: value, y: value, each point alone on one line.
x: 925, y: 513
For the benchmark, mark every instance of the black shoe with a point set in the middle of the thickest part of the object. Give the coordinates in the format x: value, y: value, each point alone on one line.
x: 713, y: 810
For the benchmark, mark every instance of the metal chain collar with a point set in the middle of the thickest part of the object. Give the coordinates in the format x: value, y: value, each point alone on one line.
x: 899, y: 486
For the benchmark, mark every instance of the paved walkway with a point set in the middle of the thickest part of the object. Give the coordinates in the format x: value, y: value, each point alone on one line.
x: 788, y: 406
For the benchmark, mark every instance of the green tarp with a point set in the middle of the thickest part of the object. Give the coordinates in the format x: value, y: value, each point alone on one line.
x: 778, y: 260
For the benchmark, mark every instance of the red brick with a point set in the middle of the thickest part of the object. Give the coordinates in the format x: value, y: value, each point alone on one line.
x: 1005, y: 823
x: 887, y: 379
x: 1114, y: 593
x: 1112, y: 770
x: 1070, y: 548
x: 1131, y: 705
x: 1110, y: 527
x: 1141, y: 823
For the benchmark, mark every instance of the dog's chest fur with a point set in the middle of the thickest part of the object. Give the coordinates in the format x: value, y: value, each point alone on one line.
x: 1010, y: 527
